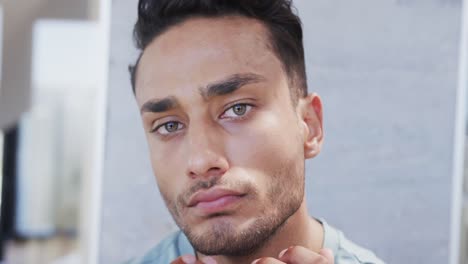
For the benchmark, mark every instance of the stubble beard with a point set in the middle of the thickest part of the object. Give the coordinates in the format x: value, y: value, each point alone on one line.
x: 224, y: 238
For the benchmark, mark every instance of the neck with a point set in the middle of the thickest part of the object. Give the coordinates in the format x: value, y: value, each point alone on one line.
x: 299, y: 230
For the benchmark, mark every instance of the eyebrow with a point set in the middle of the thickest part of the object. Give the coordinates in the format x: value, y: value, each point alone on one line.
x: 229, y: 84
x: 218, y: 88
x: 161, y: 105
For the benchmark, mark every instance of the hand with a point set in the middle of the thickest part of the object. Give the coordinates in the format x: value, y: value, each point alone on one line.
x: 299, y: 255
x: 189, y: 259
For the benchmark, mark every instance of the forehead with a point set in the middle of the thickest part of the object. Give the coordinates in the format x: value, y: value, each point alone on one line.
x: 202, y: 50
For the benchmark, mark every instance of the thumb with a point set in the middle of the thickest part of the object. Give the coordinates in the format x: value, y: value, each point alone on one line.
x: 328, y: 254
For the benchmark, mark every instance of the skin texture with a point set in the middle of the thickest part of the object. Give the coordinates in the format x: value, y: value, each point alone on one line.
x: 251, y: 140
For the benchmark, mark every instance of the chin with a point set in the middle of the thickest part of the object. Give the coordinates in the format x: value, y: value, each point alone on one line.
x: 224, y: 235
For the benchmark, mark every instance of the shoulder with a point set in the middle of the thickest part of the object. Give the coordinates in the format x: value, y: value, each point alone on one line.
x: 165, y: 252
x: 347, y: 252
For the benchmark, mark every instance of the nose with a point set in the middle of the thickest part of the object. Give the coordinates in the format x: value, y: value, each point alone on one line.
x: 206, y: 157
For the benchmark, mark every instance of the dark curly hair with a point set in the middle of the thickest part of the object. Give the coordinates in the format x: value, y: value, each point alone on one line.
x: 284, y: 28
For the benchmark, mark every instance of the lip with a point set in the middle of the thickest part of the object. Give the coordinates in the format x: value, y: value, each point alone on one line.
x: 214, y: 200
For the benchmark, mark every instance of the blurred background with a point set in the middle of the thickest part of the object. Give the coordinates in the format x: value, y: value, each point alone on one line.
x: 52, y: 92
x: 76, y: 182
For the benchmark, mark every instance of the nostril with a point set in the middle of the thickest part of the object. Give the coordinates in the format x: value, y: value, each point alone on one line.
x: 214, y: 169
x: 192, y: 174
x: 214, y: 172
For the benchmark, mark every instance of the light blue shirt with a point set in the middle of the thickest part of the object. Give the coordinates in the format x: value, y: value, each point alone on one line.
x: 345, y: 251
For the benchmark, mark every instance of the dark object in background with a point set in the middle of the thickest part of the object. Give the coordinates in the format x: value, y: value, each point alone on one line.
x: 8, y: 191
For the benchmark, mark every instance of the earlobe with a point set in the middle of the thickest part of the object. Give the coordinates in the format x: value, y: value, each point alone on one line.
x: 313, y: 125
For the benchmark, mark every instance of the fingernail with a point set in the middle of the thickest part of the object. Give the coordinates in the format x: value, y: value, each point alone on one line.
x: 282, y: 252
x: 208, y: 260
x: 189, y: 259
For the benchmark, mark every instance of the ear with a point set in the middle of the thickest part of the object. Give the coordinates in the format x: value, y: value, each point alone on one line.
x: 311, y: 118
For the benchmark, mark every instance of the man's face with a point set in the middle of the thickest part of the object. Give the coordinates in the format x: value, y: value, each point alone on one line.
x: 225, y: 139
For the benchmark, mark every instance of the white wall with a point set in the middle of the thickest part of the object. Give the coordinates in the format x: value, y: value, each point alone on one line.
x: 387, y: 71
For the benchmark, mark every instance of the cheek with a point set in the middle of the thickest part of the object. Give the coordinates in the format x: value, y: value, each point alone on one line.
x: 167, y: 171
x: 268, y: 141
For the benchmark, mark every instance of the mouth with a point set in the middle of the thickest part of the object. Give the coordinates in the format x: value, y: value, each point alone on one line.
x: 214, y: 201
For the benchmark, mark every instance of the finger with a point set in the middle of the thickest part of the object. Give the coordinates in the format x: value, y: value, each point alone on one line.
x: 267, y: 261
x: 328, y: 254
x: 186, y: 259
x: 301, y: 255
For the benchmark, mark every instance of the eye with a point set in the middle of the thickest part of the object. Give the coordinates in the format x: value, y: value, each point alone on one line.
x: 168, y: 128
x: 237, y: 110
